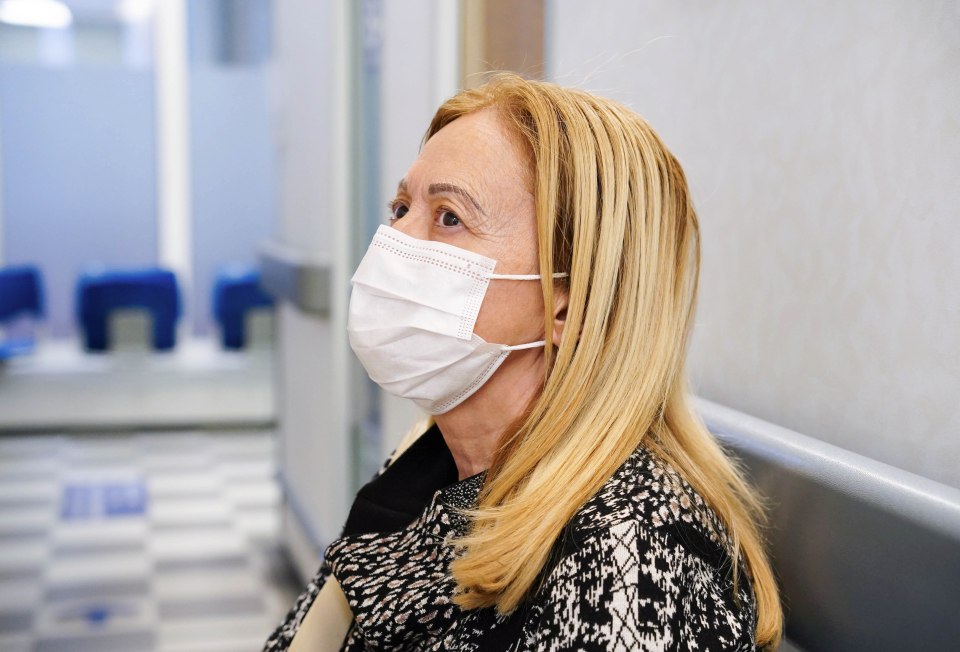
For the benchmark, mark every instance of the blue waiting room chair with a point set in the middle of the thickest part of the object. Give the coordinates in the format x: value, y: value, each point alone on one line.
x: 101, y: 291
x: 21, y: 294
x: 236, y: 291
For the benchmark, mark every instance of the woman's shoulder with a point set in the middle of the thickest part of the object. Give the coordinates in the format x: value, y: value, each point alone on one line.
x: 642, y: 565
x: 648, y: 492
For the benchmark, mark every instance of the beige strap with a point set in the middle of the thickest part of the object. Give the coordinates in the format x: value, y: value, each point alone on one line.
x: 326, y: 623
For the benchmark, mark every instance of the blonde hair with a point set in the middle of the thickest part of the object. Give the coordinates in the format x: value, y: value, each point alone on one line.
x: 614, y: 211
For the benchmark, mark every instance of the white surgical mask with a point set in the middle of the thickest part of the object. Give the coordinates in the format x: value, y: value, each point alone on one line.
x: 413, y: 307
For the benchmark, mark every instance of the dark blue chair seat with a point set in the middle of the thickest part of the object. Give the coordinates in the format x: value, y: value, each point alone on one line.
x: 21, y: 294
x: 101, y: 291
x: 236, y: 291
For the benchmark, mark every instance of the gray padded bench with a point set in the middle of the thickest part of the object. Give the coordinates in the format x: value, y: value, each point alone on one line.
x: 868, y: 555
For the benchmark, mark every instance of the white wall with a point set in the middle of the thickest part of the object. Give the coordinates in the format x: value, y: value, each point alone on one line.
x: 310, y: 95
x: 822, y: 142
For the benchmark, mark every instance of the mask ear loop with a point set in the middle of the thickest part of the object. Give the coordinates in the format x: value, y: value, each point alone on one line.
x: 523, y: 277
x: 520, y: 347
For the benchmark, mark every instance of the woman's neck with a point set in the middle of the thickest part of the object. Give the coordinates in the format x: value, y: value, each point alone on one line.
x: 472, y: 430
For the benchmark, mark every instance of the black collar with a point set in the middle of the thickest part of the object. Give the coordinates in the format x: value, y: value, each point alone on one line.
x: 393, y: 499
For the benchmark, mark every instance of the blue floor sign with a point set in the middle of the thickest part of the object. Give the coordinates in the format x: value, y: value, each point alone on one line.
x: 104, y: 500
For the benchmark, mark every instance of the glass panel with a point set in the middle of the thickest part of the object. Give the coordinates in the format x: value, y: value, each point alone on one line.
x: 78, y: 149
x: 367, y: 432
x: 233, y: 181
x: 77, y: 146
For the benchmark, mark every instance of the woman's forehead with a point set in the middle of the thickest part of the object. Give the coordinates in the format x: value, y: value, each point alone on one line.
x: 477, y: 151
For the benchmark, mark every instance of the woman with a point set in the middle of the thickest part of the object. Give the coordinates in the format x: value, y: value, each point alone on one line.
x: 535, y: 292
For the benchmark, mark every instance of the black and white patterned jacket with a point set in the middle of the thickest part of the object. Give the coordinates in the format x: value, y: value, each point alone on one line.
x: 641, y: 566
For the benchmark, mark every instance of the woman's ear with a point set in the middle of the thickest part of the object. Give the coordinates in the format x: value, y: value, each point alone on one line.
x: 559, y: 314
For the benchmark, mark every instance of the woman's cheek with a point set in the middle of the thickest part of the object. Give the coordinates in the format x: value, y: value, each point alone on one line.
x: 511, y: 313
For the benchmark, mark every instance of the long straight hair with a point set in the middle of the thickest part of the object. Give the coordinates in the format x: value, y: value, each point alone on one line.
x: 613, y: 210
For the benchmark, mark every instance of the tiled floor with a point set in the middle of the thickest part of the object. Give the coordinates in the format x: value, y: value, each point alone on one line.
x: 147, y: 541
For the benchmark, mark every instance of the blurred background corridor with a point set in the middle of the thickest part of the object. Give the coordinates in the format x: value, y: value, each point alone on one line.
x: 186, y: 187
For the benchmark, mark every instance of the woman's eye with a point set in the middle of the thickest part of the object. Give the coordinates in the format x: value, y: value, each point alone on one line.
x: 449, y: 219
x: 398, y: 210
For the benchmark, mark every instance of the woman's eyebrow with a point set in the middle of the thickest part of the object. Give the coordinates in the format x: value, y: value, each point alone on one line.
x: 438, y: 188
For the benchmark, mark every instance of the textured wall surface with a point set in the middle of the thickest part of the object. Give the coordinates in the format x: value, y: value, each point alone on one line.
x: 822, y: 143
